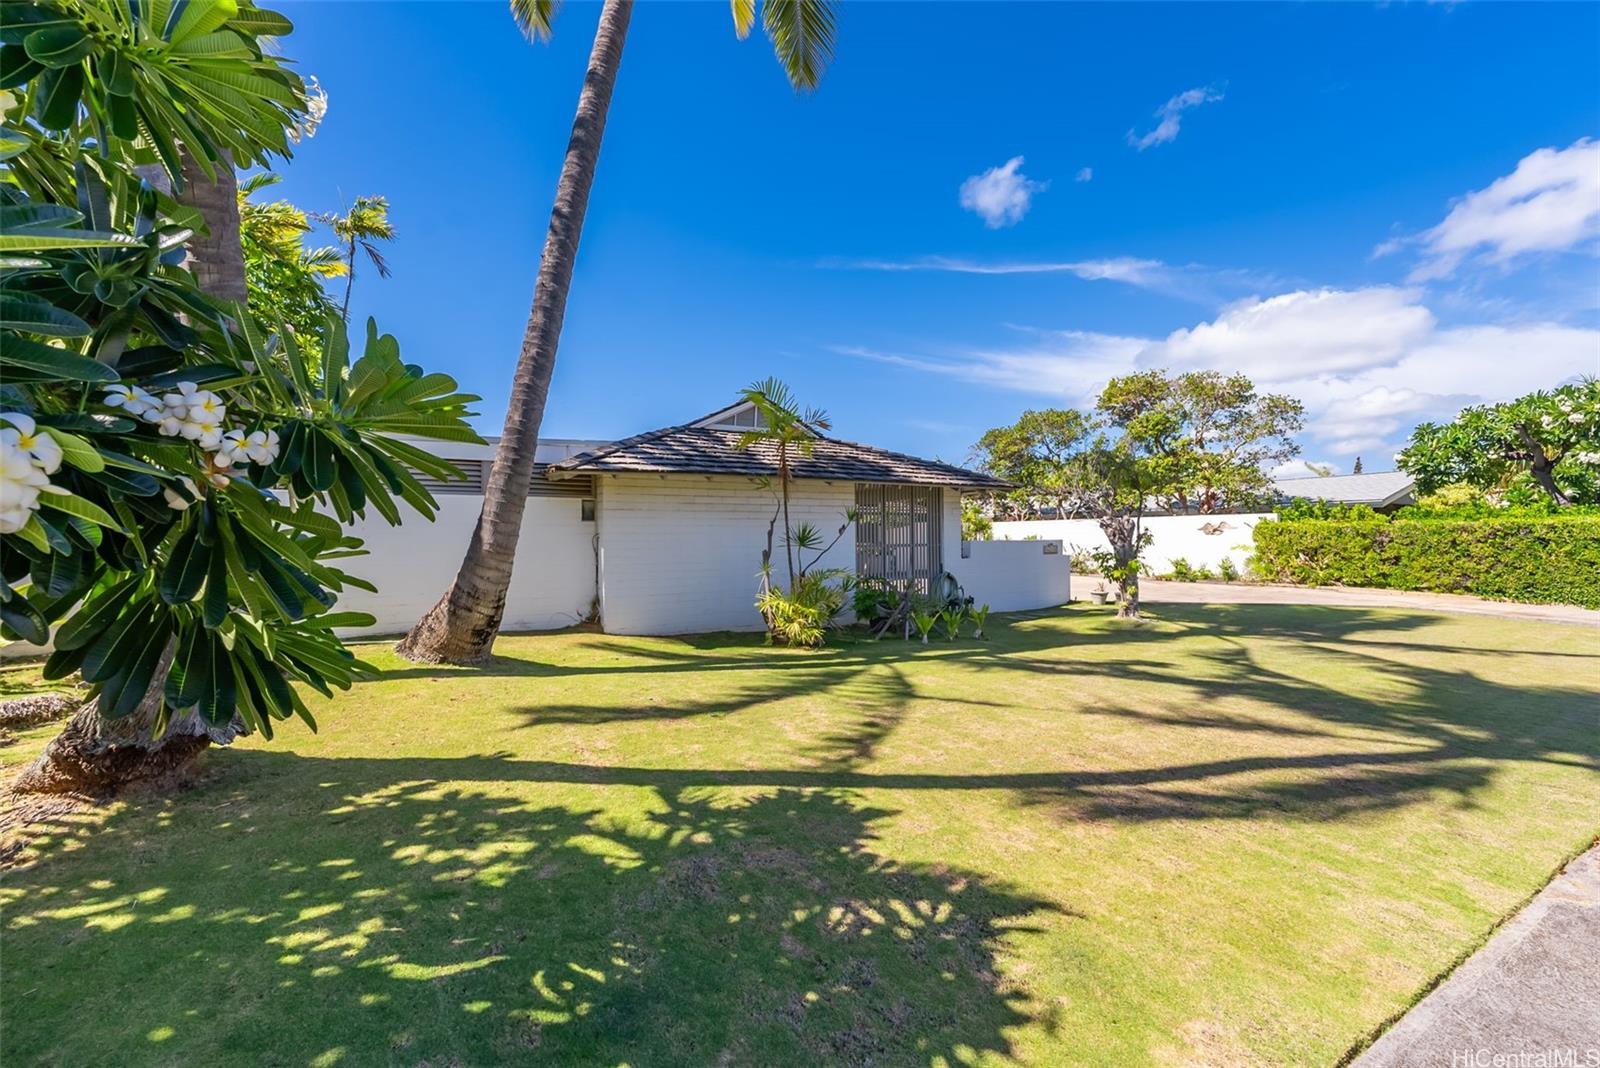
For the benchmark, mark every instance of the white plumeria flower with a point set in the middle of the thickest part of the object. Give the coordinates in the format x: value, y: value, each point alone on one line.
x: 40, y: 447
x: 206, y: 406
x: 262, y: 446
x: 1575, y: 417
x: 171, y: 425
x: 21, y: 481
x: 120, y: 396
x: 206, y: 435
x: 232, y: 449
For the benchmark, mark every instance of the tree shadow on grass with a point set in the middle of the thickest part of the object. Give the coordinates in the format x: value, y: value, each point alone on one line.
x: 1402, y: 732
x: 372, y: 911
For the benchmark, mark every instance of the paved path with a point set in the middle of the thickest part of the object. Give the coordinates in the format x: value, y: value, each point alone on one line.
x: 1533, y: 990
x: 1157, y: 592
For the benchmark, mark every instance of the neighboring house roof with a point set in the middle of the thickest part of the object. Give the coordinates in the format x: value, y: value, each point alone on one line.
x: 1377, y: 489
x: 702, y: 450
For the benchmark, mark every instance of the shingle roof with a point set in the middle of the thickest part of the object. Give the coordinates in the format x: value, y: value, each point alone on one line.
x: 1377, y: 488
x: 698, y: 450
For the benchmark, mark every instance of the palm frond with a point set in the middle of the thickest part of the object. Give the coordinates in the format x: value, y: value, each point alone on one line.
x: 802, y: 33
x: 744, y: 17
x: 534, y: 17
x: 376, y: 257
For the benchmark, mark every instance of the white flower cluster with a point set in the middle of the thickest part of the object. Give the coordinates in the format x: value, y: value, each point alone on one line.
x: 196, y: 415
x: 28, y: 457
x: 1590, y: 458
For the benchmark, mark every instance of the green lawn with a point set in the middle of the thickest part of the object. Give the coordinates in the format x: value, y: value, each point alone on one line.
x: 1233, y: 835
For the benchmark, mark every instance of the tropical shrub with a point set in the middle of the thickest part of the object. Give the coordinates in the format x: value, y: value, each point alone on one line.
x: 802, y: 617
x: 1536, y: 558
x: 924, y: 621
x: 1227, y: 570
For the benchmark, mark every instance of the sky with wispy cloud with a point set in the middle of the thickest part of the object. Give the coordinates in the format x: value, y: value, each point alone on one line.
x: 1387, y: 211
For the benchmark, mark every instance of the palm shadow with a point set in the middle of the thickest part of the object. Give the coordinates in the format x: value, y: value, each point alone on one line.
x: 409, y: 914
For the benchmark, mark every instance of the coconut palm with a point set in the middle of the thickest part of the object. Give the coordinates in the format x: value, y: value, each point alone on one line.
x: 462, y: 627
x: 365, y: 224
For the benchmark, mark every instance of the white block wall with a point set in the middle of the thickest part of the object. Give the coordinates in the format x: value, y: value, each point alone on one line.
x: 680, y: 555
x: 1014, y: 576
x: 1171, y: 536
x: 552, y: 585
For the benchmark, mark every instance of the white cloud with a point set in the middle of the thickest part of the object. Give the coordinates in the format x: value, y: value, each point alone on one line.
x: 1170, y: 115
x: 1196, y: 282
x: 1001, y: 195
x: 1304, y: 332
x: 1550, y: 203
x: 1368, y: 363
x: 1084, y: 174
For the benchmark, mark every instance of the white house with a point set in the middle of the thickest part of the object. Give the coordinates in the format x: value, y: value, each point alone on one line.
x: 662, y: 533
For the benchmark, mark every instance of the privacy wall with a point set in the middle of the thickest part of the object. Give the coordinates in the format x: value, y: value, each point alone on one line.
x: 1202, y: 540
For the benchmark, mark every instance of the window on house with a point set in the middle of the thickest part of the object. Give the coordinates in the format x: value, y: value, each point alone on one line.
x: 743, y: 419
x: 586, y: 510
x: 899, y: 534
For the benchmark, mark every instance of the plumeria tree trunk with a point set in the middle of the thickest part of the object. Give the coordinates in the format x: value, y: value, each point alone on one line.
x: 217, y: 256
x: 462, y: 627
x: 92, y: 755
x: 1124, y: 533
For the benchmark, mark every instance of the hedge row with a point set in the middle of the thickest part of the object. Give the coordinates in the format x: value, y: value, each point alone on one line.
x: 1540, y: 560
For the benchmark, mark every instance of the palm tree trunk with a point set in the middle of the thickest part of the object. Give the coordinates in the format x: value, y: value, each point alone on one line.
x: 349, y: 279
x: 461, y: 628
x: 93, y: 755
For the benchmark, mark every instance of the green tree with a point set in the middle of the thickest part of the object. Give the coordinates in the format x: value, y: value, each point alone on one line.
x: 362, y: 227
x: 462, y: 626
x: 1208, y: 438
x: 1036, y: 453
x: 976, y: 523
x: 145, y: 421
x: 1546, y: 442
x: 284, y: 278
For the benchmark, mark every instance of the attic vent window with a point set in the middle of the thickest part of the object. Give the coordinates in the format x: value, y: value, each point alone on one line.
x: 743, y: 419
x: 473, y: 472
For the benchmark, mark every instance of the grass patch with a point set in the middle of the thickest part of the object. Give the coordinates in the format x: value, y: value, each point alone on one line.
x: 1233, y: 835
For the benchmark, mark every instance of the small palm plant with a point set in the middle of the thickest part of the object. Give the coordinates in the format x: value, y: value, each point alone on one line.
x: 364, y: 225
x: 979, y: 616
x: 924, y: 622
x: 951, y: 618
x: 790, y: 432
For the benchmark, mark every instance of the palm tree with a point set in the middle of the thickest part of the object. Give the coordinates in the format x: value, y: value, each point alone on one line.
x: 462, y: 627
x: 791, y: 433
x: 365, y: 224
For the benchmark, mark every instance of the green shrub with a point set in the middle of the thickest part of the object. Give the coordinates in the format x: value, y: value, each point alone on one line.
x: 803, y: 618
x: 1227, y: 570
x: 1535, y: 558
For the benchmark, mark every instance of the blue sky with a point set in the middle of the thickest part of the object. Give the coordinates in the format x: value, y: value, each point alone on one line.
x: 1388, y: 211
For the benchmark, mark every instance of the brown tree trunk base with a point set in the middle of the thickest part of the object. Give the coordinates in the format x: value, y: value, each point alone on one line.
x: 80, y: 760
x: 454, y: 631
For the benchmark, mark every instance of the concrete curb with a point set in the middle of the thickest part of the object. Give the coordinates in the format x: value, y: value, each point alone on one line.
x: 1530, y: 996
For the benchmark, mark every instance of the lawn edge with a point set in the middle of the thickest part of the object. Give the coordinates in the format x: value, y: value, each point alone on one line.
x: 1365, y: 1042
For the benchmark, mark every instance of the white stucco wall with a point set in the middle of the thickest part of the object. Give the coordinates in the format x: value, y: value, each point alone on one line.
x: 680, y: 555
x: 1171, y: 536
x: 1014, y: 576
x: 552, y: 584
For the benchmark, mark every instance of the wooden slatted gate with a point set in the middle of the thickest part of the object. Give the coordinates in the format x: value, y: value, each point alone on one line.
x: 899, y: 534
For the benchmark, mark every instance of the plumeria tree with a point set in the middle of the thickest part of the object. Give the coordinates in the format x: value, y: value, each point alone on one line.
x: 1548, y: 442
x: 174, y: 479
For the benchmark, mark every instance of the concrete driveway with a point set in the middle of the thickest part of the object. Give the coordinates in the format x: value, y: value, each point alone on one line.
x: 1153, y: 591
